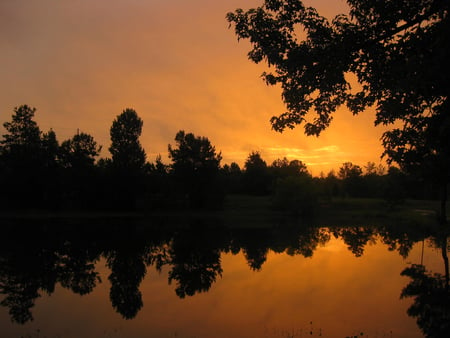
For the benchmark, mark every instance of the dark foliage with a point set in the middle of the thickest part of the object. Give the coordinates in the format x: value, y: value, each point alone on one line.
x: 397, y: 51
x: 195, y: 168
x: 36, y: 172
x: 256, y: 179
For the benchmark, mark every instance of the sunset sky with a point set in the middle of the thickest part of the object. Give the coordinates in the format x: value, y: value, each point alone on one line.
x: 176, y: 62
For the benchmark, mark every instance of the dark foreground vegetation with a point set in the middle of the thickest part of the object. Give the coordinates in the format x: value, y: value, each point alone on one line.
x: 396, y: 51
x: 37, y: 172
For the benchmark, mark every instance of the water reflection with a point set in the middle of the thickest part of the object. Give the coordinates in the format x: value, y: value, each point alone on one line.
x: 37, y: 257
x: 431, y: 294
x: 194, y: 257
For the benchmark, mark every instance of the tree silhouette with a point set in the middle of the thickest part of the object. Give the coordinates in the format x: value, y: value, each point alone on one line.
x: 331, y: 185
x: 128, y: 159
x: 296, y: 195
x: 79, y: 152
x: 77, y: 157
x: 126, y: 150
x: 24, y: 136
x: 256, y: 177
x: 282, y: 168
x: 373, y: 180
x: 348, y: 170
x: 232, y: 176
x: 195, y: 166
x: 21, y: 154
x: 50, y: 147
x: 351, y: 176
x: 158, y: 183
x: 398, y: 53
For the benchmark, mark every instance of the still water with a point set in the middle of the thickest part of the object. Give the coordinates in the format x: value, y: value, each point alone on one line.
x: 203, y: 280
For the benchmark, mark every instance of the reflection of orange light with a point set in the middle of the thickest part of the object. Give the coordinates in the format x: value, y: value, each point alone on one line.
x: 340, y: 294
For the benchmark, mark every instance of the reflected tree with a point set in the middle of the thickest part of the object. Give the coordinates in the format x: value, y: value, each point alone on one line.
x: 32, y: 265
x: 195, y: 260
x: 356, y: 238
x: 431, y: 305
x: 256, y: 256
x: 431, y: 294
x: 402, y: 239
x: 128, y: 261
x: 127, y: 272
x: 307, y: 241
x: 19, y: 299
x: 24, y: 276
x: 76, y: 269
x: 255, y: 245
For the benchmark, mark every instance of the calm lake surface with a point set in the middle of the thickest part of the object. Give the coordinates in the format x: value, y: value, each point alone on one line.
x: 107, y: 279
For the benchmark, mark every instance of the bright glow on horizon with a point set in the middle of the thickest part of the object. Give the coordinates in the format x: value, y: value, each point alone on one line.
x: 176, y: 63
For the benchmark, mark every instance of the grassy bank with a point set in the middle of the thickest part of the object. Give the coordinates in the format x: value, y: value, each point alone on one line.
x: 257, y: 211
x: 367, y: 211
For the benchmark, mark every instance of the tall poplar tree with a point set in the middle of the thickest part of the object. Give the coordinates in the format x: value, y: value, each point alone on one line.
x: 128, y: 159
x: 126, y: 150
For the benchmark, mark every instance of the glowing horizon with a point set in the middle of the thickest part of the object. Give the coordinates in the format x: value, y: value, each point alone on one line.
x: 176, y: 63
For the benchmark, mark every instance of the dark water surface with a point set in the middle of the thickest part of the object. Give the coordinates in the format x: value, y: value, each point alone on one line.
x: 109, y: 278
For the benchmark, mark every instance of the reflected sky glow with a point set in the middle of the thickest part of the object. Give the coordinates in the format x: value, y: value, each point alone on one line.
x: 332, y: 293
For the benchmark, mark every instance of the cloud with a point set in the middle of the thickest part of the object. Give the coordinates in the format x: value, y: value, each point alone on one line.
x: 80, y: 63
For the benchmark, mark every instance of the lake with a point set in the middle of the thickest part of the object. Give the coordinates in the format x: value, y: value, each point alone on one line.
x: 126, y: 278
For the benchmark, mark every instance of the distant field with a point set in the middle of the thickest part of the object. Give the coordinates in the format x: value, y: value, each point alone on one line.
x: 377, y: 211
x: 338, y: 211
x: 257, y: 211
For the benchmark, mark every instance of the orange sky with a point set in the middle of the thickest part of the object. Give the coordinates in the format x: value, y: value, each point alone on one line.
x: 81, y: 62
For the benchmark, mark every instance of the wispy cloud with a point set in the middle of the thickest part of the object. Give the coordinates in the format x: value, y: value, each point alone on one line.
x: 80, y: 63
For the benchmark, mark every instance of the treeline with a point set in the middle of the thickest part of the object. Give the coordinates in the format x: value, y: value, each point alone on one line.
x: 293, y: 188
x: 39, y: 172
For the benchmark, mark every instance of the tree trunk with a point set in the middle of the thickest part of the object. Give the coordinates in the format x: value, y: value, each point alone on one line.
x: 443, y: 213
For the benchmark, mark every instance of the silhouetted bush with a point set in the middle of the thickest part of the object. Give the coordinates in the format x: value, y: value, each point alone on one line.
x: 195, y: 170
x: 296, y: 195
x: 256, y: 179
x: 395, y: 192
